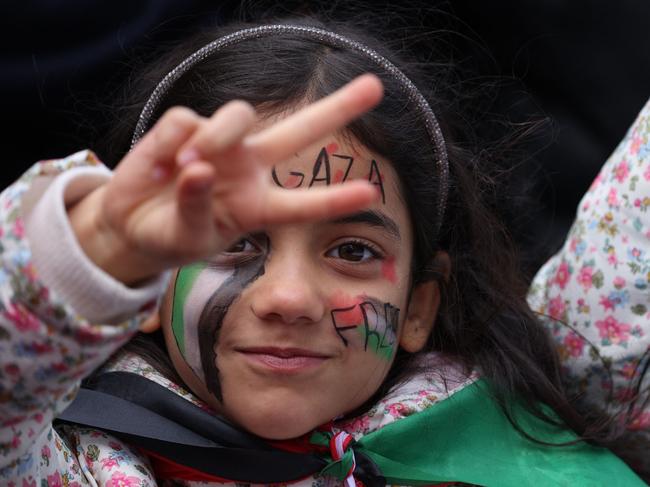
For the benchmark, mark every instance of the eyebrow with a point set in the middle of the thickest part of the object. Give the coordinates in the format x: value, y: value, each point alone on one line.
x: 373, y: 218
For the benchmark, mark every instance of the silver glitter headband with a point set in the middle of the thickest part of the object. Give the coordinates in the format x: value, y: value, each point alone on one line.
x: 325, y: 37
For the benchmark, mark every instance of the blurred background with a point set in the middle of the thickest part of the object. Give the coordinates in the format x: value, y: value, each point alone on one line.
x: 581, y: 69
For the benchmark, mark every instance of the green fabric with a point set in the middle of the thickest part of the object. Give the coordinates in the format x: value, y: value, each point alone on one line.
x: 338, y: 469
x: 467, y: 438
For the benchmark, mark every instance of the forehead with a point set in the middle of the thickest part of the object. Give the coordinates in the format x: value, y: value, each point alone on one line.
x: 340, y: 158
x: 335, y: 160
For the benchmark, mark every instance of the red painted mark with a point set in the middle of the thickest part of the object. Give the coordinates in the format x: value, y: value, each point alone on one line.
x: 388, y: 269
x: 292, y: 181
x: 338, y: 176
x: 352, y: 315
x: 332, y: 147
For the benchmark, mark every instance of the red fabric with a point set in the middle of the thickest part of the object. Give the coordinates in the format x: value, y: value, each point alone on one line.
x: 164, y: 469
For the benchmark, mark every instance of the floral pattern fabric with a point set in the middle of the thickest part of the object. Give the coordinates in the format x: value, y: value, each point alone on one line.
x: 594, y: 292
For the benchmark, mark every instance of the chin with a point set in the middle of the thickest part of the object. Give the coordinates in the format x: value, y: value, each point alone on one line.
x: 276, y: 420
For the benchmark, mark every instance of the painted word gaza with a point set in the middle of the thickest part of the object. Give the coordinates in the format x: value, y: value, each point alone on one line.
x: 322, y: 173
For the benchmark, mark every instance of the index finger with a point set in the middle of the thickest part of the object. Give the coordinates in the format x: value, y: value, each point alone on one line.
x: 286, y: 137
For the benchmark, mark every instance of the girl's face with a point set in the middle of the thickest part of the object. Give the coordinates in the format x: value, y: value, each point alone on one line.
x: 295, y: 326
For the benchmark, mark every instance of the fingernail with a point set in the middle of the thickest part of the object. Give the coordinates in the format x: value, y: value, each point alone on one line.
x: 187, y: 156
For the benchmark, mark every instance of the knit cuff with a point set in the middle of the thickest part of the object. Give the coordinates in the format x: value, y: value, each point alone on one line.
x: 63, y: 267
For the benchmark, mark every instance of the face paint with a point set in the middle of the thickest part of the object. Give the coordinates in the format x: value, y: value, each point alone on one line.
x: 203, y: 293
x: 368, y: 323
x: 332, y: 147
x: 388, y: 269
x: 329, y: 168
x: 377, y: 178
x: 195, y: 284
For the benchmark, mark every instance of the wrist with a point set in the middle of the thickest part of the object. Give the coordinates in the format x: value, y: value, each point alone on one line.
x: 104, y: 246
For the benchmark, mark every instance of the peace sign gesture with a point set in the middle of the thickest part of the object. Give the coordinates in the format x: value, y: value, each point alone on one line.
x: 193, y: 185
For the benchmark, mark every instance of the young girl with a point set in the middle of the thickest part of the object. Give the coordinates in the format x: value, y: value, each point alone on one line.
x: 328, y: 297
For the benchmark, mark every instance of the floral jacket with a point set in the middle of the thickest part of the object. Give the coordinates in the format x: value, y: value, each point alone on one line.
x: 593, y: 293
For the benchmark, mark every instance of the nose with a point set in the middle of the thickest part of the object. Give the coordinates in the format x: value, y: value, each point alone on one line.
x: 288, y: 291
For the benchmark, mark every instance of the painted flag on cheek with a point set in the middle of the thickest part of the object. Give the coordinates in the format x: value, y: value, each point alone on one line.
x: 195, y: 285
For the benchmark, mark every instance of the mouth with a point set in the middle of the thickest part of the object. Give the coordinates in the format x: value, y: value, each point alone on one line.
x: 283, y: 360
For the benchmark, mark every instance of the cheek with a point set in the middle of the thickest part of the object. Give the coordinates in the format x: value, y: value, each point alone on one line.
x: 366, y: 323
x: 195, y: 285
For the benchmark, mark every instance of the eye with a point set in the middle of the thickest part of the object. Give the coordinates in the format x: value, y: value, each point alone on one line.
x: 247, y: 249
x: 243, y: 245
x: 354, y: 252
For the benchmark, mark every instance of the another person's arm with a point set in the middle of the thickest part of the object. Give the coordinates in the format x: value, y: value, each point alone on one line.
x: 596, y: 289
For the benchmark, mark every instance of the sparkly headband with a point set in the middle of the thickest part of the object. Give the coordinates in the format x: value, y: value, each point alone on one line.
x: 326, y: 37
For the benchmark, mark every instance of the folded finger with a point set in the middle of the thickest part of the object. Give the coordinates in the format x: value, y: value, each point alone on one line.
x: 315, y: 121
x: 194, y: 195
x: 225, y: 128
x: 164, y: 139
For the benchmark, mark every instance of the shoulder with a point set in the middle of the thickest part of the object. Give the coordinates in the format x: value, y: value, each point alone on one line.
x: 440, y: 376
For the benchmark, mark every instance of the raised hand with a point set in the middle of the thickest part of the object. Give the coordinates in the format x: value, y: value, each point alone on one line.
x: 193, y: 184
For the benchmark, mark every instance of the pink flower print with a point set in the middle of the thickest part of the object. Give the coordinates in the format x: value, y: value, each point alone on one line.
x: 22, y: 319
x: 646, y: 174
x: 612, y: 331
x: 612, y: 259
x: 29, y: 484
x: 45, y: 454
x: 562, y: 275
x: 621, y: 171
x: 640, y: 422
x: 556, y: 308
x: 108, y: 463
x: 619, y: 282
x: 398, y: 410
x: 115, y: 446
x: 30, y: 272
x: 15, y: 441
x: 19, y: 228
x: 574, y: 344
x: 612, y: 199
x: 12, y: 369
x: 584, y: 277
x: 120, y: 479
x: 54, y: 480
x: 642, y: 204
x: 583, y: 307
x: 635, y: 254
x: 606, y: 303
x: 596, y: 181
x: 636, y: 143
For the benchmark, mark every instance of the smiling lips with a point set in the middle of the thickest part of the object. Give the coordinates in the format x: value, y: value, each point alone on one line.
x: 284, y: 359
